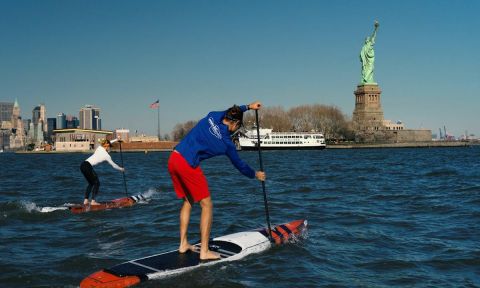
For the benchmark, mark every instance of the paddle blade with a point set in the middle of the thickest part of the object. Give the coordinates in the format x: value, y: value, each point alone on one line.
x: 287, y: 232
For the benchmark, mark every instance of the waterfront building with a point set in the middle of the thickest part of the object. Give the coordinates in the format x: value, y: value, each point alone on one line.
x: 144, y: 138
x: 76, y: 140
x: 124, y: 134
x: 90, y: 118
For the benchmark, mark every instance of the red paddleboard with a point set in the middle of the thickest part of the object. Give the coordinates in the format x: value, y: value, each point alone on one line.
x: 116, y: 203
x: 230, y: 247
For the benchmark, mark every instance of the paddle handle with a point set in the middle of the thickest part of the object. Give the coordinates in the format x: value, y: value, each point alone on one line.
x: 265, y: 201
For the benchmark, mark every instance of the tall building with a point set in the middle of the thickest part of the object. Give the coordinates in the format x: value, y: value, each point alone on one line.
x: 39, y: 126
x: 52, y: 125
x: 6, y: 113
x: 35, y: 134
x: 61, y: 121
x: 17, y: 140
x: 12, y: 134
x: 90, y: 118
x: 39, y: 116
x: 72, y: 122
x: 16, y: 118
x: 26, y: 124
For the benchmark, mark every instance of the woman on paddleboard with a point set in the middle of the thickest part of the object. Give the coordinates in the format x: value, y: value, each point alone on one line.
x: 100, y: 155
x: 210, y: 137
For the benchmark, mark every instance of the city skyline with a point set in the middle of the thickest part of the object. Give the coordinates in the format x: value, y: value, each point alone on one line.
x: 199, y: 56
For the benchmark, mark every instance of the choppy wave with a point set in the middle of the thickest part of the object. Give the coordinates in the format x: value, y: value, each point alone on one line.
x: 377, y: 218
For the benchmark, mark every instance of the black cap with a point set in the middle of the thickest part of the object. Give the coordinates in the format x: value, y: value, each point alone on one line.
x: 235, y: 114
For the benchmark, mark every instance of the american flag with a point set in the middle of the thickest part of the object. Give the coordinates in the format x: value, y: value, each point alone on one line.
x: 155, y: 104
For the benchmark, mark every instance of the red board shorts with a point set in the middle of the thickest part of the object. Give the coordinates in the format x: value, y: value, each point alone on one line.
x: 188, y: 182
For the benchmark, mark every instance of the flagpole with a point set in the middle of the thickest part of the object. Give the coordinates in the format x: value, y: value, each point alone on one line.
x: 158, y: 122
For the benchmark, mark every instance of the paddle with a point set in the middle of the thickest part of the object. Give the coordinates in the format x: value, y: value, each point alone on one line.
x: 263, y: 182
x: 123, y: 172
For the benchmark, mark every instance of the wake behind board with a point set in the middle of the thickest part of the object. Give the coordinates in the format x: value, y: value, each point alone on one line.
x: 116, y: 203
x: 230, y: 247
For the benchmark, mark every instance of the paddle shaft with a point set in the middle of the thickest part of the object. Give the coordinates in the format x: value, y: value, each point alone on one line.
x: 263, y: 182
x: 123, y: 172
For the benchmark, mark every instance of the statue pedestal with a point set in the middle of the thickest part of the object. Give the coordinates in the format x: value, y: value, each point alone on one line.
x: 368, y: 113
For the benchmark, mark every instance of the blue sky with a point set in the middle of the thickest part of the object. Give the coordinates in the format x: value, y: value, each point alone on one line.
x: 198, y: 56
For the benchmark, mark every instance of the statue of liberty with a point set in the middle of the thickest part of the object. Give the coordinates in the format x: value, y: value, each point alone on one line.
x: 367, y: 57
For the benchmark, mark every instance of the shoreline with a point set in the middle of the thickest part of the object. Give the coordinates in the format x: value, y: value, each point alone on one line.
x: 152, y: 148
x: 431, y: 144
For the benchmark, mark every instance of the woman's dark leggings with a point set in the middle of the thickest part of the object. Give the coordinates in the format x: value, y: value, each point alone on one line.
x: 92, y: 178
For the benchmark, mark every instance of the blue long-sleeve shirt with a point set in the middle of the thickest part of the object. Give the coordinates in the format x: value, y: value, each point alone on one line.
x: 209, y: 138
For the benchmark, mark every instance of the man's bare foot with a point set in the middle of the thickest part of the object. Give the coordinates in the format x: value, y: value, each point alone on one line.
x: 210, y: 255
x: 94, y: 203
x: 185, y: 248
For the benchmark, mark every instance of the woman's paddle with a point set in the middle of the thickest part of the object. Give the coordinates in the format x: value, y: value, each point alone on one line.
x: 263, y: 182
x: 123, y: 172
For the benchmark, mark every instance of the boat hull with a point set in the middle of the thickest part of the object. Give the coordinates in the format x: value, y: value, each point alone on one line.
x: 265, y: 147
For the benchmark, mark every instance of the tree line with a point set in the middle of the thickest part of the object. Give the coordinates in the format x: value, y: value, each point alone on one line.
x: 326, y: 119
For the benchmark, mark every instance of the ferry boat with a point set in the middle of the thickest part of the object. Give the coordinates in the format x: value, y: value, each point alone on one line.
x: 281, y: 140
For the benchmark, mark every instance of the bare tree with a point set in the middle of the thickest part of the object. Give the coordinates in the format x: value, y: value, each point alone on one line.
x: 305, y: 118
x: 274, y: 118
x: 181, y: 130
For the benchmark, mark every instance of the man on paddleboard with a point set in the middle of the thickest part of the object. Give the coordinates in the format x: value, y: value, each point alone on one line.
x: 210, y: 137
x: 100, y: 155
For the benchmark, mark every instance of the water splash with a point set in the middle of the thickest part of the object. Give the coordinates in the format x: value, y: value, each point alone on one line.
x: 300, y: 238
x: 32, y: 207
x: 29, y: 206
x: 151, y: 193
x: 51, y: 209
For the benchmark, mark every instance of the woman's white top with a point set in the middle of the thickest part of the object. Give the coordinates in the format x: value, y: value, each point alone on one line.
x: 100, y: 156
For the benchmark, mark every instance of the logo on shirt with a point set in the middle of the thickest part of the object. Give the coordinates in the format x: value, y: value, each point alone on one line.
x: 214, y: 128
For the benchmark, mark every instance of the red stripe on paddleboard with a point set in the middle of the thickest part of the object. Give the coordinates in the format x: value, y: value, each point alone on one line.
x: 103, y: 279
